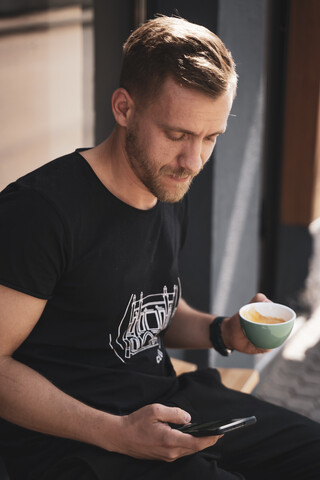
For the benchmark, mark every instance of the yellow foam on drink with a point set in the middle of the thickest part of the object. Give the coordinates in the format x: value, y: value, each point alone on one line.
x: 254, y: 316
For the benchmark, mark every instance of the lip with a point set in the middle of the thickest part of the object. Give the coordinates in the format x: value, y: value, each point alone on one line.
x: 179, y: 179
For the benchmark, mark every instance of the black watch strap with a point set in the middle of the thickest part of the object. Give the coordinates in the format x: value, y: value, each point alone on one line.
x: 216, y: 337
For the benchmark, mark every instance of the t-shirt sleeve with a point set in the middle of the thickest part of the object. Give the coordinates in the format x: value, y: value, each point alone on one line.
x: 33, y: 242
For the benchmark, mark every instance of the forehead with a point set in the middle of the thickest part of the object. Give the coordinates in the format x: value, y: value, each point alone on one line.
x: 189, y: 108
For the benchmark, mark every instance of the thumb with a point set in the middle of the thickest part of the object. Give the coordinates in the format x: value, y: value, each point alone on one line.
x: 172, y: 415
x: 260, y: 297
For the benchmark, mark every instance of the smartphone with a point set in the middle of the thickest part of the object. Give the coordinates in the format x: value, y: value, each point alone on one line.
x: 216, y: 427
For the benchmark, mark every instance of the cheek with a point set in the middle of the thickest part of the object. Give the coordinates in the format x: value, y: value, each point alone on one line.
x: 162, y: 151
x: 207, y: 151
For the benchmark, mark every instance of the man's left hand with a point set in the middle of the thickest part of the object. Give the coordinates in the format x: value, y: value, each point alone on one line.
x: 233, y: 336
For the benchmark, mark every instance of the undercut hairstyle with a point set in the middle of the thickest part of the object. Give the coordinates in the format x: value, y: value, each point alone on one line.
x: 169, y: 46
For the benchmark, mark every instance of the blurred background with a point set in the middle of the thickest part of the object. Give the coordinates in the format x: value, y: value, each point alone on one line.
x: 254, y: 216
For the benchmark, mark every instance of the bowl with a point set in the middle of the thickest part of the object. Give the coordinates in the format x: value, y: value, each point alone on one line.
x: 255, y: 324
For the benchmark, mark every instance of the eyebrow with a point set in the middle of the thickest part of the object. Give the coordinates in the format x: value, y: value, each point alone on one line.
x: 188, y: 132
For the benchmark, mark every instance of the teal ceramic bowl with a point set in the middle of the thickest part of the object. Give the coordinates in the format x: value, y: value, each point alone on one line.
x: 267, y: 335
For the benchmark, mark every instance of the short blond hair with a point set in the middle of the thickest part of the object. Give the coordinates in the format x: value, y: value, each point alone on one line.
x: 170, y: 46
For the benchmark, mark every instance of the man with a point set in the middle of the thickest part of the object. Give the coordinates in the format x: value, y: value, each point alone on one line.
x: 91, y: 296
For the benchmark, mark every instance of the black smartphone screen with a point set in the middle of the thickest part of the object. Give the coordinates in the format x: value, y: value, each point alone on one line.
x: 216, y: 427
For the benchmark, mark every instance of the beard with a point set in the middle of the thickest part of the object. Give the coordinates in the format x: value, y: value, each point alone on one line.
x: 146, y: 170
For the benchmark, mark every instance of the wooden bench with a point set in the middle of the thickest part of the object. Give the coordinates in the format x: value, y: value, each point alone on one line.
x: 242, y: 379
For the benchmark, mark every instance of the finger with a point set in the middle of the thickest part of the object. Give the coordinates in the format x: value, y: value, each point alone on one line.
x: 176, y: 415
x: 200, y: 443
x: 255, y: 350
x: 260, y: 297
x: 252, y: 349
x: 186, y: 444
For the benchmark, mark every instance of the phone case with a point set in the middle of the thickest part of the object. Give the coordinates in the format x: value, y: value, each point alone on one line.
x: 217, y: 427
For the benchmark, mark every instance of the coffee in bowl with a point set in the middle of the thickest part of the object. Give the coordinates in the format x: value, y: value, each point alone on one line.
x: 254, y: 316
x: 266, y: 324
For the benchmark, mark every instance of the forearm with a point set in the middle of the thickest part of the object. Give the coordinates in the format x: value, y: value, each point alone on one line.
x: 189, y: 328
x: 31, y: 401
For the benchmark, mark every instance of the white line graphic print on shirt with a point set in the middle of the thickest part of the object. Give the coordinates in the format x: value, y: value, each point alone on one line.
x: 142, y: 322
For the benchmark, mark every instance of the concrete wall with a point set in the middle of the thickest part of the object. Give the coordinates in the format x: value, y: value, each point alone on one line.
x: 112, y: 25
x: 41, y: 89
x: 238, y: 167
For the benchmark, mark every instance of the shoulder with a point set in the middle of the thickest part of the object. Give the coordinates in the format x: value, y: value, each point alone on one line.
x: 57, y: 185
x: 54, y: 177
x: 37, y: 201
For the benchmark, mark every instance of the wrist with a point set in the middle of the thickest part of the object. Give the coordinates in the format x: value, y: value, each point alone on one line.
x: 216, y: 336
x: 106, y: 431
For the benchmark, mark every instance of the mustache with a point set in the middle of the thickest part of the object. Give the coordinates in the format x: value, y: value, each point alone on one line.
x: 179, y: 172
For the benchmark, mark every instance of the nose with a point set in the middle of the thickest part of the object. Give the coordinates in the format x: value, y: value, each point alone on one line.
x: 191, y: 156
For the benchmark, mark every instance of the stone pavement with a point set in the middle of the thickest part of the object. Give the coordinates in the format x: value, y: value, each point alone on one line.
x: 293, y: 378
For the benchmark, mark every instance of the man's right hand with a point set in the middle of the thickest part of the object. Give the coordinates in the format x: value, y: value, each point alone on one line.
x: 145, y: 434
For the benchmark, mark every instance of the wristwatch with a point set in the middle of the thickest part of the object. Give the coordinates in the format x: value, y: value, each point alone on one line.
x: 216, y: 337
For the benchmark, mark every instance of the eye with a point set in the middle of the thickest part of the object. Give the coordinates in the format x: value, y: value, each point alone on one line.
x: 175, y: 136
x: 212, y: 139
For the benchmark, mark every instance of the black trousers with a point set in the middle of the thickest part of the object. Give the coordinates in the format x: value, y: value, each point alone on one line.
x: 282, y: 444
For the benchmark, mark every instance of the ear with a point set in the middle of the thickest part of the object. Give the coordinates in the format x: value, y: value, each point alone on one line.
x: 122, y: 105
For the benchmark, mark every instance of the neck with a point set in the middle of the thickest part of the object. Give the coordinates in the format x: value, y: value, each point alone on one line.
x: 110, y: 163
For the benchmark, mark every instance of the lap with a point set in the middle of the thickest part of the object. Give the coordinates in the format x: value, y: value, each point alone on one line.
x: 73, y: 468
x: 96, y: 464
x: 281, y: 444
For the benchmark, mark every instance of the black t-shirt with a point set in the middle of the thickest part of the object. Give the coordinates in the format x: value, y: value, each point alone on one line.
x: 110, y: 274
